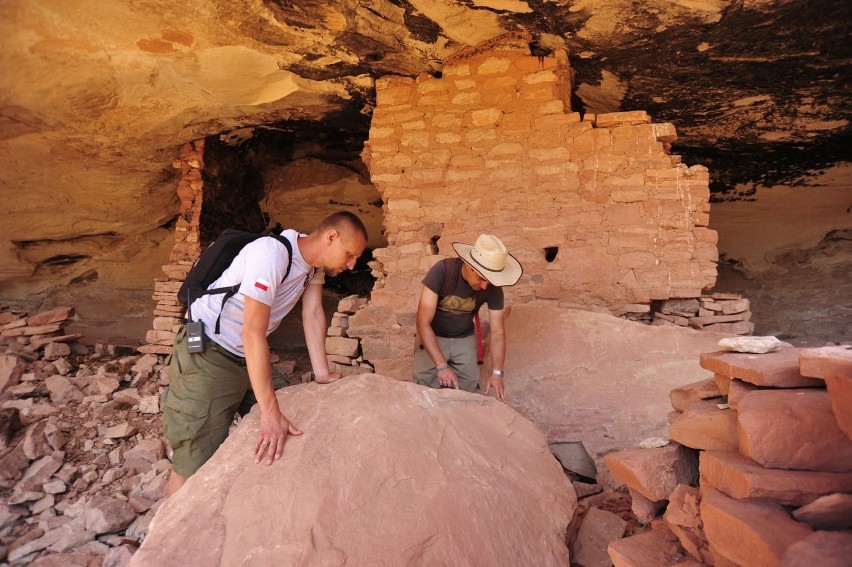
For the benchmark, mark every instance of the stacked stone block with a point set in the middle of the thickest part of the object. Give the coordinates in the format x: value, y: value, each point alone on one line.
x: 596, y: 210
x: 41, y: 330
x: 717, y: 312
x: 343, y: 351
x: 168, y: 313
x: 774, y: 463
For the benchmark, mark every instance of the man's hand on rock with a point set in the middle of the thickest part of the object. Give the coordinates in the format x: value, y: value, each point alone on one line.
x: 328, y: 378
x: 496, y: 382
x: 447, y: 378
x: 274, y: 428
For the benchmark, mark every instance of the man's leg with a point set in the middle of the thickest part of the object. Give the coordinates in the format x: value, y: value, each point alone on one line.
x: 463, y: 361
x: 424, y: 367
x: 204, y: 392
x: 460, y: 355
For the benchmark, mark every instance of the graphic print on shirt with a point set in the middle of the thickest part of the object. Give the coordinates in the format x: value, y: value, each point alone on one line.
x: 457, y: 305
x: 261, y: 284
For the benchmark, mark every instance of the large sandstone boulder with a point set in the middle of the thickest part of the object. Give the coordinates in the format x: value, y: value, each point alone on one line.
x: 386, y: 473
x: 595, y: 378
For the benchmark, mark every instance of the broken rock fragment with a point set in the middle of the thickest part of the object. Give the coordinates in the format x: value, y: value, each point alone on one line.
x: 756, y: 345
x: 107, y: 514
x: 120, y: 431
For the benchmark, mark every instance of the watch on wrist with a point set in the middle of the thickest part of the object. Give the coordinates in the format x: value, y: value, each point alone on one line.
x: 498, y: 373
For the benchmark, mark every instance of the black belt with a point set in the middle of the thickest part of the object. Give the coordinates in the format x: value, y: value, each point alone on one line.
x: 213, y: 345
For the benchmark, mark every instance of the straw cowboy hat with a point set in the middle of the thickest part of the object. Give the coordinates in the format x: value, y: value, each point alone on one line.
x: 489, y: 257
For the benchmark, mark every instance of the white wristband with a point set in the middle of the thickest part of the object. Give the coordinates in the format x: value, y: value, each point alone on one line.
x: 498, y: 373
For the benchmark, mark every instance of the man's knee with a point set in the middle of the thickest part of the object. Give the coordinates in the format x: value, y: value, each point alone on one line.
x: 423, y: 368
x: 468, y: 382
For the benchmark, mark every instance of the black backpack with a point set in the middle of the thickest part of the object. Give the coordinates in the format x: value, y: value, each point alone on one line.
x: 214, y: 260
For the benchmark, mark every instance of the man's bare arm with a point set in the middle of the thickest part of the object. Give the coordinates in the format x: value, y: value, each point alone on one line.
x: 426, y: 310
x: 274, y: 427
x: 496, y: 319
x: 316, y: 328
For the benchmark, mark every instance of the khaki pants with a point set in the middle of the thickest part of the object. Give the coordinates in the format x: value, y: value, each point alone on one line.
x: 461, y: 356
x: 206, y: 391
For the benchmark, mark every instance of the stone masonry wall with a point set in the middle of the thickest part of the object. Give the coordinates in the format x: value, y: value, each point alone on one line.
x: 214, y: 176
x: 168, y: 313
x: 596, y: 210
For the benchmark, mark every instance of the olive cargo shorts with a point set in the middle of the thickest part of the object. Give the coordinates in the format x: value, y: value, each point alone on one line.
x: 206, y: 390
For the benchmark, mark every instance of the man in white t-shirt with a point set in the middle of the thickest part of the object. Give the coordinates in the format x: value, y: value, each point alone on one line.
x: 206, y: 389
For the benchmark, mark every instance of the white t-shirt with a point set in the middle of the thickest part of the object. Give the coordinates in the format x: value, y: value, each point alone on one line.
x: 259, y: 269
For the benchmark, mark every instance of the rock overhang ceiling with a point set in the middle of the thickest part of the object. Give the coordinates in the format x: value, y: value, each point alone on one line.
x: 744, y: 82
x: 97, y: 97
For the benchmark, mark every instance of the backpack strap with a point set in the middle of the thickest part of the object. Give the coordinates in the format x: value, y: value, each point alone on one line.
x: 230, y: 291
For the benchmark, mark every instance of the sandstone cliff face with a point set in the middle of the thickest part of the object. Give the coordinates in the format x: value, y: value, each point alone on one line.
x: 98, y: 98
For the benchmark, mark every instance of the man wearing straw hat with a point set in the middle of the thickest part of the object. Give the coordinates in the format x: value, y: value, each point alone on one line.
x: 454, y: 289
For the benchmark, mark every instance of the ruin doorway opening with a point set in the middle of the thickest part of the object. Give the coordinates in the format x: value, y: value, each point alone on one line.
x: 291, y: 175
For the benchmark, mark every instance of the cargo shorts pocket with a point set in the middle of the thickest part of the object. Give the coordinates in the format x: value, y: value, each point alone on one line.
x: 183, y: 417
x: 194, y: 408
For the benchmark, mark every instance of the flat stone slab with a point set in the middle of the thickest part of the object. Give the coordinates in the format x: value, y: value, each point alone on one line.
x: 743, y: 479
x: 779, y: 369
x: 736, y: 390
x: 656, y: 547
x: 792, y: 429
x: 598, y: 530
x: 748, y: 533
x: 834, y: 365
x: 820, y: 549
x: 683, y: 396
x: 707, y: 427
x: 826, y: 361
x: 562, y: 375
x: 654, y: 472
x: 831, y: 512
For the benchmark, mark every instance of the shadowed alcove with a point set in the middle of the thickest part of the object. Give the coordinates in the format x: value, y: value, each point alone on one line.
x: 290, y: 175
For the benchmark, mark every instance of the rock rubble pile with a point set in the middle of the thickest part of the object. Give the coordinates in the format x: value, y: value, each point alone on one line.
x: 82, y: 465
x: 36, y: 331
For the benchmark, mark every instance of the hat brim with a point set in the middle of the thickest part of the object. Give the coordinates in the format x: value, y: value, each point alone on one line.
x: 508, y: 276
